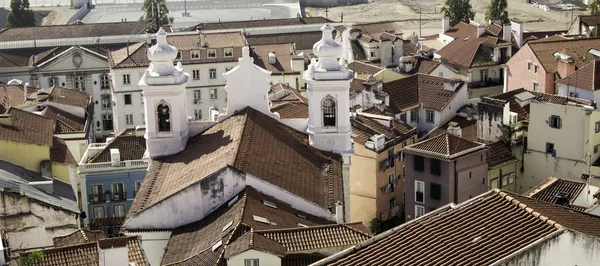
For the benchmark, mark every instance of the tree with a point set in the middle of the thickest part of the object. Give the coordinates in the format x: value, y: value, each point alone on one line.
x: 33, y: 258
x: 20, y: 15
x: 595, y: 7
x: 163, y: 13
x: 457, y: 11
x: 497, y: 10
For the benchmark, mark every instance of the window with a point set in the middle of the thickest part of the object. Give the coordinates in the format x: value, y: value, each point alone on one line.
x: 98, y: 212
x: 403, y: 117
x: 213, y: 73
x: 79, y: 82
x: 197, y: 114
x: 429, y: 116
x: 420, y: 191
x: 494, y: 183
x: 97, y: 194
x: 508, y: 179
x: 106, y: 101
x: 107, y: 122
x: 213, y: 94
x: 391, y: 178
x: 597, y: 127
x: 195, y: 54
x: 178, y: 56
x: 119, y: 210
x: 436, y: 191
x: 251, y: 262
x: 573, y: 94
x: 550, y: 148
x: 211, y: 53
x: 596, y: 148
x: 554, y: 121
x: 118, y: 192
x: 441, y: 74
x: 391, y: 157
x: 129, y: 119
x: 529, y: 64
x: 126, y: 80
x: 53, y: 81
x: 483, y: 74
x: 196, y: 74
x: 228, y: 52
x: 392, y: 203
x: 328, y: 106
x: 435, y: 167
x: 164, y: 117
x: 127, y: 99
x: 535, y: 69
x: 419, y: 163
x: 536, y: 86
x: 104, y: 82
x: 138, y: 185
x: 197, y: 95
x: 414, y: 115
x: 419, y: 211
x: 142, y: 99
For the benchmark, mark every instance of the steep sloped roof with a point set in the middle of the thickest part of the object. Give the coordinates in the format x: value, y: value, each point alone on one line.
x: 419, y: 89
x: 587, y: 77
x: 552, y: 187
x: 444, y: 146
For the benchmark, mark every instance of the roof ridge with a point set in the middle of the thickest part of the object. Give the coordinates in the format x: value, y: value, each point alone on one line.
x: 527, y: 209
x: 243, y: 145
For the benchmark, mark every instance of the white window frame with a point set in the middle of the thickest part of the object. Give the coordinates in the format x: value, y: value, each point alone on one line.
x: 104, y: 81
x: 137, y: 186
x: 126, y: 79
x: 100, y: 193
x: 79, y: 82
x: 422, y: 212
x: 427, y: 113
x: 197, y: 114
x: 112, y: 186
x: 251, y: 262
x: 228, y: 50
x: 197, y: 95
x: 125, y: 99
x: 417, y: 183
x: 529, y: 65
x: 129, y: 119
x: 214, y: 94
x: 195, y: 54
x: 196, y: 74
x: 106, y: 101
x: 114, y: 210
x: 212, y: 73
x: 211, y: 51
x: 53, y: 81
x: 536, y: 86
x: 95, y: 213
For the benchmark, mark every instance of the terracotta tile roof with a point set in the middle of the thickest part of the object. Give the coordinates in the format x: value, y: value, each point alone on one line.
x: 64, y: 122
x: 193, y: 243
x: 301, y: 40
x: 68, y: 31
x: 409, y: 48
x: 419, y: 89
x: 283, y: 54
x: 498, y: 154
x: 590, y: 20
x: 11, y: 96
x: 523, y: 111
x: 461, y: 30
x: 468, y: 128
x: 450, y: 235
x: 375, y: 29
x: 258, y: 23
x: 130, y: 146
x: 60, y: 153
x: 471, y: 51
x: 87, y: 253
x: 28, y: 127
x: 543, y: 36
x: 135, y: 55
x: 291, y: 110
x: 358, y: 53
x: 552, y: 187
x: 317, y: 237
x: 576, y: 48
x: 252, y: 240
x: 584, y: 78
x: 364, y: 127
x: 424, y: 65
x: 357, y: 86
x: 8, y: 59
x: 494, y: 29
x: 62, y: 95
x: 445, y: 146
x: 286, y: 161
x: 80, y: 236
x: 363, y: 68
x: 373, y: 110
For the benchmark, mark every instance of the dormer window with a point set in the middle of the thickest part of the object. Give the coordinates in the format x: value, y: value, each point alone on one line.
x: 228, y: 52
x: 328, y: 106
x: 211, y: 53
x: 195, y: 54
x: 164, y: 117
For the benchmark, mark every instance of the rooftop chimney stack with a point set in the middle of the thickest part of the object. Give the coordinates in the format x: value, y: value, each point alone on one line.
x: 339, y: 212
x: 480, y: 30
x: 454, y: 129
x: 202, y: 40
x: 445, y: 24
x: 507, y: 32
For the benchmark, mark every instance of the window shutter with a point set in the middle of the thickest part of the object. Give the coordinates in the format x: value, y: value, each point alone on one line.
x: 550, y: 121
x: 559, y: 122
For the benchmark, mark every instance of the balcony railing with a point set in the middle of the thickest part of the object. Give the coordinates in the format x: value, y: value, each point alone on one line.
x: 108, y: 166
x: 119, y: 196
x: 389, y: 187
x: 484, y: 83
x: 95, y: 198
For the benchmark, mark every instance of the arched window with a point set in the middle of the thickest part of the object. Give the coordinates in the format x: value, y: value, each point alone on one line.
x: 164, y: 117
x: 328, y: 107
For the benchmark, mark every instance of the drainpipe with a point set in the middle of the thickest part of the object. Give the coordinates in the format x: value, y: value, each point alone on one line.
x: 455, y: 184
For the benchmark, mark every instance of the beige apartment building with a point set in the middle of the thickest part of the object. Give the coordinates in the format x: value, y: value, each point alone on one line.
x: 377, y: 169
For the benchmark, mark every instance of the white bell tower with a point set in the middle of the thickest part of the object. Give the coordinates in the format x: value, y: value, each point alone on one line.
x: 163, y: 89
x: 328, y: 91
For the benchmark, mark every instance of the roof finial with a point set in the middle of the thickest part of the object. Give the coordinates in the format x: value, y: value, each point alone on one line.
x: 328, y: 50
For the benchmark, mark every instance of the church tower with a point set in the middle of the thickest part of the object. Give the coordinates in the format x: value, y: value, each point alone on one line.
x: 163, y: 89
x: 328, y: 91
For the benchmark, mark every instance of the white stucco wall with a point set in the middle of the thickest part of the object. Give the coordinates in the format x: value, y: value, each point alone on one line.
x: 566, y: 91
x: 263, y: 258
x: 154, y: 244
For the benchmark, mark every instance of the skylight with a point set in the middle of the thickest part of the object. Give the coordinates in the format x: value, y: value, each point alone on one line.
x: 301, y: 215
x: 269, y: 204
x: 260, y: 219
x: 217, y: 245
x: 229, y: 224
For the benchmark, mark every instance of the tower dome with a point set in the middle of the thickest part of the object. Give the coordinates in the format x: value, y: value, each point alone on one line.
x: 327, y: 50
x: 162, y: 51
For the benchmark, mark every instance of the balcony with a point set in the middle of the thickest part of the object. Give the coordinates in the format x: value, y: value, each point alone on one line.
x: 97, y: 198
x: 390, y: 187
x: 111, y: 166
x: 119, y: 196
x: 485, y: 83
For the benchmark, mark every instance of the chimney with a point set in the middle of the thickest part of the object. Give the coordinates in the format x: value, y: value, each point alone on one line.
x: 115, y: 156
x: 5, y: 120
x: 450, y: 85
x: 116, y: 253
x: 445, y: 24
x: 564, y: 65
x: 507, y: 32
x: 149, y: 38
x: 454, y: 129
x: 518, y: 27
x: 202, y: 40
x: 25, y: 92
x: 140, y: 131
x: 272, y: 58
x: 480, y: 30
x: 339, y: 212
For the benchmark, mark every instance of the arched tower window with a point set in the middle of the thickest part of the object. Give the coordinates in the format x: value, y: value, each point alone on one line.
x: 164, y: 117
x: 328, y: 106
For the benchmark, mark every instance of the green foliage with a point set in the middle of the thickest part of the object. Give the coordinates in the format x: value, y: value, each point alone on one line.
x: 34, y: 258
x: 377, y: 226
x: 163, y: 14
x: 20, y: 15
x: 457, y: 11
x: 595, y: 7
x: 497, y: 10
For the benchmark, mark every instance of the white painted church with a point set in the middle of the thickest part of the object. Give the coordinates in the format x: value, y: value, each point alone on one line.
x: 200, y: 169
